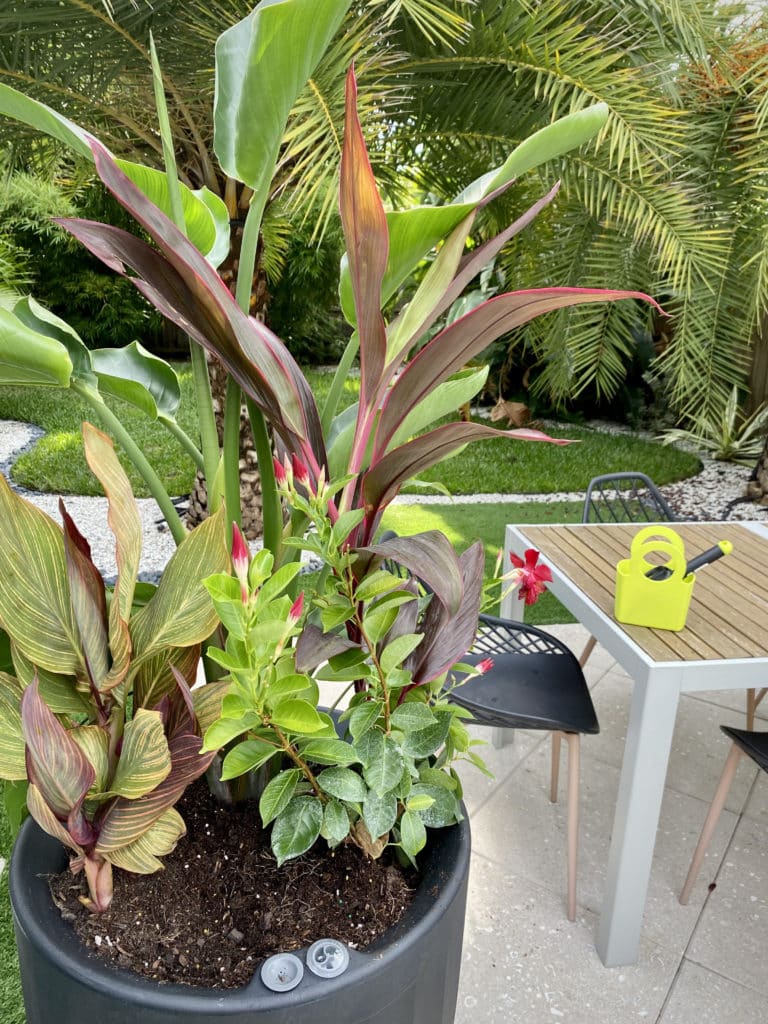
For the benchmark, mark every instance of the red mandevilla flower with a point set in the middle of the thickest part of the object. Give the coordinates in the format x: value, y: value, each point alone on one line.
x: 240, y: 559
x: 300, y: 471
x: 484, y: 666
x: 296, y: 609
x: 533, y: 577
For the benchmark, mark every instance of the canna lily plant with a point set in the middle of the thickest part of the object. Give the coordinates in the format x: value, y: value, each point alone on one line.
x: 99, y: 717
x: 363, y: 622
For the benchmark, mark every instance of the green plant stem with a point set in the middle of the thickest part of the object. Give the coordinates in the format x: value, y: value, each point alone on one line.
x: 232, y: 452
x: 339, y: 379
x: 186, y: 443
x: 298, y: 761
x: 209, y: 436
x: 137, y: 457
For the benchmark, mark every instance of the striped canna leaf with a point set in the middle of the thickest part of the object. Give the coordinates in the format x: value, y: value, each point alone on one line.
x: 56, y: 765
x: 141, y: 856
x: 12, y: 749
x: 145, y: 759
x: 124, y: 521
x: 35, y: 608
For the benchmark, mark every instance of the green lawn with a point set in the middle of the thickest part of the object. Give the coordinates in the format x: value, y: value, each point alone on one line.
x: 57, y: 464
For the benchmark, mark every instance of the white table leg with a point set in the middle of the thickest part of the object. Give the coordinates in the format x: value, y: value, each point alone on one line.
x: 643, y: 773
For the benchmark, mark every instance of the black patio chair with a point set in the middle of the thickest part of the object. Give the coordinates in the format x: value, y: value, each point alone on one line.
x: 745, y: 742
x: 535, y: 683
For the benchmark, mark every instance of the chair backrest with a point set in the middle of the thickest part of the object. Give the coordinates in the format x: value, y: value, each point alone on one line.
x: 625, y: 498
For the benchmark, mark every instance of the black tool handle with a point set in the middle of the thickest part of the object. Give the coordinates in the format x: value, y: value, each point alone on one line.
x: 661, y: 572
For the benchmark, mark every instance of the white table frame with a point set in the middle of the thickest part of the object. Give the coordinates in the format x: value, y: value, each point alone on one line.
x: 655, y: 696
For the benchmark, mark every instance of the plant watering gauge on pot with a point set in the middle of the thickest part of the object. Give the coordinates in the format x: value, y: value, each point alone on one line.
x: 409, y: 976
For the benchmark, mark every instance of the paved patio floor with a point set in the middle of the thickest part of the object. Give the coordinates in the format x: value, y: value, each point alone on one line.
x: 701, y: 964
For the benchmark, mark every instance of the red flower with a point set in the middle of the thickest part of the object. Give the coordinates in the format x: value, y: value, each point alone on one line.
x: 280, y: 474
x: 300, y: 471
x: 240, y: 559
x: 533, y: 578
x: 296, y: 609
x: 484, y: 666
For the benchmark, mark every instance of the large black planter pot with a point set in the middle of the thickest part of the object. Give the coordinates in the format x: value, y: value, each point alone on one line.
x: 410, y: 976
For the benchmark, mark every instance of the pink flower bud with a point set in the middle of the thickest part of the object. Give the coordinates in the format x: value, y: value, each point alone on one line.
x: 484, y: 666
x: 300, y: 471
x: 296, y: 609
x: 280, y: 474
x: 240, y: 559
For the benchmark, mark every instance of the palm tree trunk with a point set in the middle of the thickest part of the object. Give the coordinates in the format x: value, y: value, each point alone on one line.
x: 252, y: 523
x: 757, y: 488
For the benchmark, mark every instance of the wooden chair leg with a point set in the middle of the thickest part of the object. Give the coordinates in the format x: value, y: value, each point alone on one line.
x: 753, y: 699
x: 574, y: 749
x: 710, y: 822
x: 588, y: 648
x: 555, y: 776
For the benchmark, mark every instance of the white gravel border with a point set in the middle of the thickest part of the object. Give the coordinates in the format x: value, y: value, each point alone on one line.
x: 705, y: 496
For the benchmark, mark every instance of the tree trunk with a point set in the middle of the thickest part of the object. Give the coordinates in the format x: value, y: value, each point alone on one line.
x: 757, y: 488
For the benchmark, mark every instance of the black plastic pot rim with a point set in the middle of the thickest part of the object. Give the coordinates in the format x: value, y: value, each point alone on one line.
x: 73, y: 959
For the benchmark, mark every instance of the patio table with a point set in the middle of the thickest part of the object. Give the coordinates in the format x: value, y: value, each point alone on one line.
x: 724, y: 645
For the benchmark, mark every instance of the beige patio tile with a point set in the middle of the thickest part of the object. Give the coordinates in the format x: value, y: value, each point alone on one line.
x: 708, y: 998
x: 520, y: 831
x: 732, y: 934
x: 523, y: 961
x: 699, y: 748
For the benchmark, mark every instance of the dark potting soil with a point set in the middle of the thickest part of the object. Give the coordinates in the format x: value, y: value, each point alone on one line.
x: 221, y: 905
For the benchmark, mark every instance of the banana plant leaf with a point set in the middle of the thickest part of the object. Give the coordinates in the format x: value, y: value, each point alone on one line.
x: 254, y: 96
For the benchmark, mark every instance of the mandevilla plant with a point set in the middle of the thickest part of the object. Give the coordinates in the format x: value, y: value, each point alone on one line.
x: 390, y: 774
x: 99, y: 717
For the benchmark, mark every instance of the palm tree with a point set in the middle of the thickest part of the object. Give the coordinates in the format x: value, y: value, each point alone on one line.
x: 671, y: 200
x: 91, y: 60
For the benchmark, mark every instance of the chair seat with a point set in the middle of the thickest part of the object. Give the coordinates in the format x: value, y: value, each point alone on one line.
x: 535, y: 682
x: 754, y: 744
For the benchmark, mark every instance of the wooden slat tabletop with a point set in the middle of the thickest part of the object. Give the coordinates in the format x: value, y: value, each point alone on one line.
x: 728, y: 614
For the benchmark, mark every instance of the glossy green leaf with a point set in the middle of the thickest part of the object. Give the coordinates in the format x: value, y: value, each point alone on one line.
x: 141, y: 856
x: 37, y: 115
x: 335, y: 826
x: 202, y: 216
x: 27, y: 357
x: 297, y: 716
x: 145, y: 759
x: 413, y: 834
x: 262, y: 65
x: 442, y: 811
x: 342, y: 783
x: 297, y: 828
x: 35, y: 609
x: 363, y: 717
x: 245, y: 757
x: 383, y: 773
x: 379, y: 582
x: 328, y: 751
x: 552, y: 141
x: 15, y: 804
x: 277, y: 794
x: 395, y: 653
x: 412, y: 234
x: 412, y: 715
x: 379, y: 813
x: 446, y: 398
x: 139, y: 378
x: 221, y: 226
x: 224, y: 730
x: 421, y: 742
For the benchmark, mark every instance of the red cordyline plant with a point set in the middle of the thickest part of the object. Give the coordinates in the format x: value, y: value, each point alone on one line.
x: 377, y: 452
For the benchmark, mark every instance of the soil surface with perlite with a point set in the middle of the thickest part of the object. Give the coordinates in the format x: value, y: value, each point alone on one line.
x: 221, y: 905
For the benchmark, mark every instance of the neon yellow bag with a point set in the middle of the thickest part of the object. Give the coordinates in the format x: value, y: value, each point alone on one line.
x: 660, y: 604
